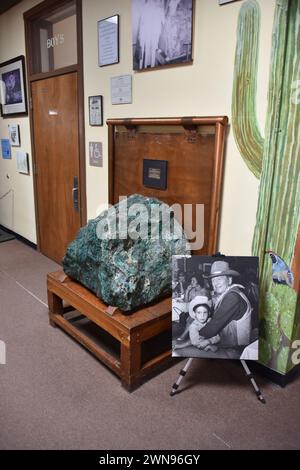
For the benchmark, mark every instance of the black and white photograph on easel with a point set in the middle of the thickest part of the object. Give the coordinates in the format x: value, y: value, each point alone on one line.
x: 161, y: 32
x: 215, y: 307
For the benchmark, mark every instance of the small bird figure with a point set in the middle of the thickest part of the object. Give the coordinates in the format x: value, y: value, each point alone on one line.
x: 281, y: 273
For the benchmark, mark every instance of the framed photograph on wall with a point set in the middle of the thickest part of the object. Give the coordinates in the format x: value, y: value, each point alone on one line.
x: 96, y: 110
x: 13, y: 88
x: 14, y: 135
x: 162, y: 33
x: 108, y: 41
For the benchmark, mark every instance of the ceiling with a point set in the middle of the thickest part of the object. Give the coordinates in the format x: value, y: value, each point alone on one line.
x: 6, y: 4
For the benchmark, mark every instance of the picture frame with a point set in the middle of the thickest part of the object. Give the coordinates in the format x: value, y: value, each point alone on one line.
x: 96, y: 110
x: 14, y: 135
x: 13, y: 96
x: 162, y: 33
x: 108, y: 41
x: 206, y: 290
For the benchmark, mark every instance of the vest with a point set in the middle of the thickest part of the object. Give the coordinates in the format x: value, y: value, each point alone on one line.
x: 237, y: 332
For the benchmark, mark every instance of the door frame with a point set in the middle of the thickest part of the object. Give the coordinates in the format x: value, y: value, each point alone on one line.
x: 44, y: 8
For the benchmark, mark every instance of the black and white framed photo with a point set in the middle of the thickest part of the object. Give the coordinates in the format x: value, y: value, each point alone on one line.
x: 13, y: 87
x: 108, y: 41
x: 96, y: 110
x: 215, y: 307
x: 161, y: 32
x: 14, y: 135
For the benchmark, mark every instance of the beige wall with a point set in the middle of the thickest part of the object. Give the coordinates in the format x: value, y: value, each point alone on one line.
x: 203, y: 88
x: 17, y: 208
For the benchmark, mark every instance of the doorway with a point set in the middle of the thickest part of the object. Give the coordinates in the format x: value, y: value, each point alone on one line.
x: 54, y: 62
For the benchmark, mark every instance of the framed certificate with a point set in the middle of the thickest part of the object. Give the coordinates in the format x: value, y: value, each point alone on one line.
x: 108, y: 40
x: 96, y: 110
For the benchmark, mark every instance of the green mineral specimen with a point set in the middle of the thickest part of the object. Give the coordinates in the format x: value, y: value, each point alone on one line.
x: 124, y: 255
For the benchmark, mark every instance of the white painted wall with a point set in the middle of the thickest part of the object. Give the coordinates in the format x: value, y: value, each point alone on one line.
x: 201, y: 89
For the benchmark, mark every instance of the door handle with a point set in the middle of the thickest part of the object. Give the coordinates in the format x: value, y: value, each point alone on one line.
x: 75, y: 194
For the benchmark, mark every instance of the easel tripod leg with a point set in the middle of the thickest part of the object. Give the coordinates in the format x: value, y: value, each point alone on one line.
x: 252, y: 380
x: 180, y: 377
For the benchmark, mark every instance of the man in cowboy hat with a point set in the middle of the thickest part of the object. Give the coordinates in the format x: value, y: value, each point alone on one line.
x: 232, y: 309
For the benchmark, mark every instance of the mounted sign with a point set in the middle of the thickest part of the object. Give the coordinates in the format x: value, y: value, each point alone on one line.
x: 108, y: 41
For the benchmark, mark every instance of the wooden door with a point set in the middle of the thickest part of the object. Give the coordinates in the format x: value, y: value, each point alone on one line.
x: 56, y: 144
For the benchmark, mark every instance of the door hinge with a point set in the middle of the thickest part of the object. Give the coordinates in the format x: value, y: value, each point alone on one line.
x: 30, y: 103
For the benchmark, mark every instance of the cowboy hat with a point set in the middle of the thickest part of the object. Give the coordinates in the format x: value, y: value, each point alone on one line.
x: 220, y: 268
x: 199, y: 300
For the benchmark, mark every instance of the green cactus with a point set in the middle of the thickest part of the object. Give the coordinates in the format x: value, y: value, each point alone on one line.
x: 246, y: 130
x: 275, y: 159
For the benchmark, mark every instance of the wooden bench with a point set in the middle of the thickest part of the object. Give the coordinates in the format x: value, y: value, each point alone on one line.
x: 131, y: 331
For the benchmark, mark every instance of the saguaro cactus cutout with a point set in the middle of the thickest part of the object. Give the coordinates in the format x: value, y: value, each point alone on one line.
x: 275, y: 160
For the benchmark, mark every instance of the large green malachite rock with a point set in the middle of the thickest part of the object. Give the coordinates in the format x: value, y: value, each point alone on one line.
x: 124, y: 255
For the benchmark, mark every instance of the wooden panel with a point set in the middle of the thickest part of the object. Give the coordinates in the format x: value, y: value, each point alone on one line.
x: 55, y: 125
x: 193, y: 148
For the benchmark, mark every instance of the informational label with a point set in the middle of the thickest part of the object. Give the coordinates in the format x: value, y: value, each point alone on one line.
x: 14, y: 135
x: 154, y: 173
x: 96, y: 154
x: 121, y: 89
x: 108, y: 41
x: 5, y: 149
